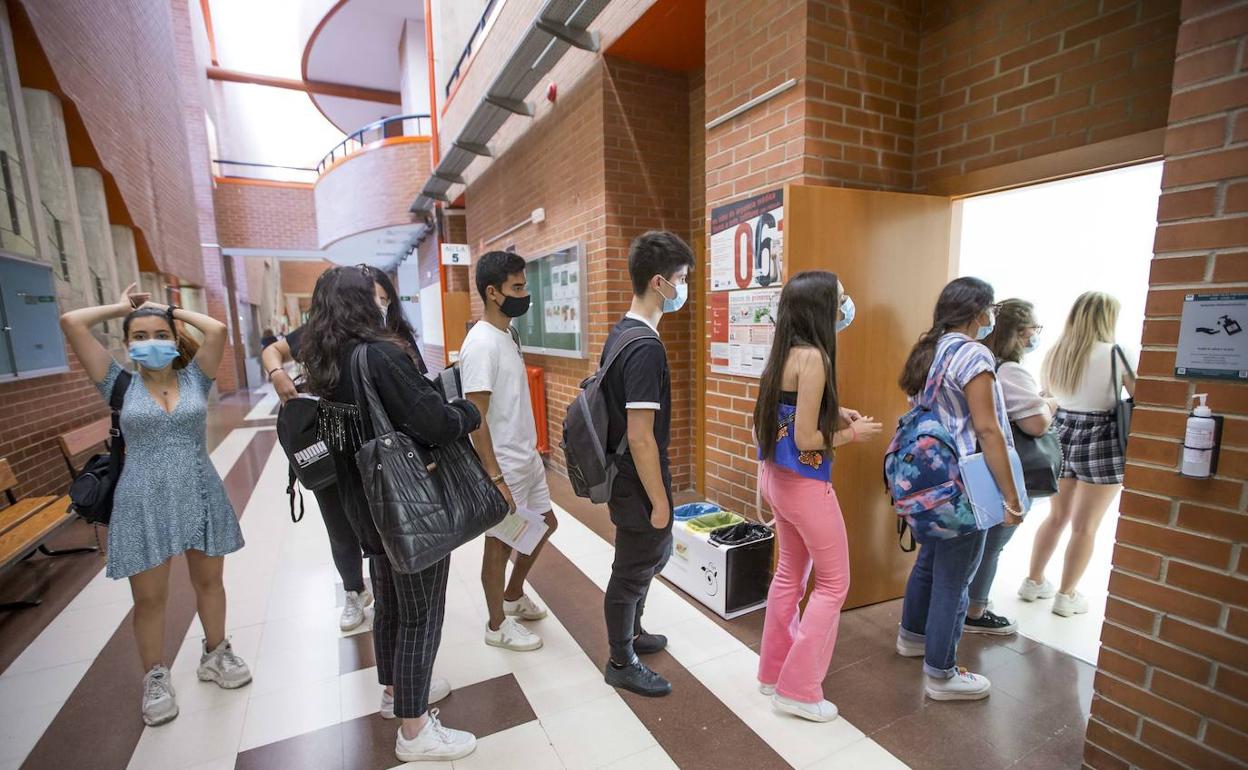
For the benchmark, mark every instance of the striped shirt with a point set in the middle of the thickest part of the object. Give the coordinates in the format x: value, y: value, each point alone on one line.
x: 970, y: 361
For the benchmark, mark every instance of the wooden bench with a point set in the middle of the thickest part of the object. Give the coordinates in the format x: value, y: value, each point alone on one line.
x: 25, y: 526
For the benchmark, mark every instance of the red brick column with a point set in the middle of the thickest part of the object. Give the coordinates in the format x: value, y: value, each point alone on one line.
x: 1172, y: 686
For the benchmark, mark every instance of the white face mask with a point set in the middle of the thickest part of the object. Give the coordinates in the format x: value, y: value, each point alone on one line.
x: 384, y: 310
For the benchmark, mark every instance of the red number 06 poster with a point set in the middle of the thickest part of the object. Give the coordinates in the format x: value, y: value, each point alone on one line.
x: 746, y: 243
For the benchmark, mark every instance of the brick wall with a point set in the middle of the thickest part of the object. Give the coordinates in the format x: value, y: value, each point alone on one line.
x: 33, y: 413
x: 264, y: 215
x: 647, y: 170
x: 1172, y: 687
x: 117, y: 62
x: 1003, y: 81
x: 372, y: 188
x: 861, y: 80
x: 557, y: 165
x: 299, y: 276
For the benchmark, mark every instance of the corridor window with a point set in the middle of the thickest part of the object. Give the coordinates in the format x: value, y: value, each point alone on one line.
x: 30, y: 332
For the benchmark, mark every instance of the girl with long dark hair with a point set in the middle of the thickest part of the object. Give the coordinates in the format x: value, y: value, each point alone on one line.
x: 969, y: 404
x: 407, y: 624
x: 798, y: 421
x: 169, y: 499
x: 343, y: 544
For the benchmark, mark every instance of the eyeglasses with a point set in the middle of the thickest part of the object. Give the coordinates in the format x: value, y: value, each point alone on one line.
x: 1034, y: 328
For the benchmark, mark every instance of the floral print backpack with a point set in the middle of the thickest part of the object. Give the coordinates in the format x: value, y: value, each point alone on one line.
x: 921, y: 468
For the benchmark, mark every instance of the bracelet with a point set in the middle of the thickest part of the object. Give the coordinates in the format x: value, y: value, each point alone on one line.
x: 274, y: 369
x: 496, y: 480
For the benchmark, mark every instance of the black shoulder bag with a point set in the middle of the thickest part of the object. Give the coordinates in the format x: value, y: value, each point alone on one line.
x: 91, y: 492
x: 1041, y: 458
x: 1123, y: 407
x: 425, y: 503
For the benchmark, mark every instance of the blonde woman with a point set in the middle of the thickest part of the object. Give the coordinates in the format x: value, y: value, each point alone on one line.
x: 1079, y: 373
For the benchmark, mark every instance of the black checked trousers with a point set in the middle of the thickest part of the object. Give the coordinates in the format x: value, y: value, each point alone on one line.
x: 407, y: 629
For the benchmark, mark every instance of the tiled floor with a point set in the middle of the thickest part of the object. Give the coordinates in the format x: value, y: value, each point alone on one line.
x: 314, y: 699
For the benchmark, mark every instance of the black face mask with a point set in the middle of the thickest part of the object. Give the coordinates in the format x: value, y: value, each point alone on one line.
x: 514, y: 307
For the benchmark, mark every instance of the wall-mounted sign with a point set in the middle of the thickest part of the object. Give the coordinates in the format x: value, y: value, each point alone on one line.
x: 1213, y: 337
x: 747, y: 239
x: 455, y: 254
x: 743, y: 324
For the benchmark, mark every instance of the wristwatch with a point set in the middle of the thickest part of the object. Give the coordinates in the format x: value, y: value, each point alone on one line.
x: 169, y: 312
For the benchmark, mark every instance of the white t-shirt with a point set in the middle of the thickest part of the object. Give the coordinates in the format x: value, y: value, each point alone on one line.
x: 1020, y: 391
x: 489, y: 361
x: 1095, y: 393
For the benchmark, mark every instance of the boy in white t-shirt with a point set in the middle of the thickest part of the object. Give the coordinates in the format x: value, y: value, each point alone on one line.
x: 494, y: 379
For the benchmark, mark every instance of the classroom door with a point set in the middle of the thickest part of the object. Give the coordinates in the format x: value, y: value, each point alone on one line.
x: 891, y: 251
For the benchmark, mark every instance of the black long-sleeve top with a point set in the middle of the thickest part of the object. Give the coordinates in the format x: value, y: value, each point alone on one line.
x: 414, y: 406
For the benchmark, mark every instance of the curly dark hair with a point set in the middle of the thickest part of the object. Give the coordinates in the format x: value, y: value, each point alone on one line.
x: 343, y: 313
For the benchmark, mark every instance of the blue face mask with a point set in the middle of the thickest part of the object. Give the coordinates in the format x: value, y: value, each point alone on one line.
x: 847, y: 310
x: 984, y: 331
x: 1033, y: 344
x: 153, y: 354
x: 677, y: 302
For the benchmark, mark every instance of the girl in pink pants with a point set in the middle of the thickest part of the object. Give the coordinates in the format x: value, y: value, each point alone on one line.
x: 796, y: 421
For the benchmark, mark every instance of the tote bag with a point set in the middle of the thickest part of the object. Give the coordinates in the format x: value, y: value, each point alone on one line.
x: 1123, y: 407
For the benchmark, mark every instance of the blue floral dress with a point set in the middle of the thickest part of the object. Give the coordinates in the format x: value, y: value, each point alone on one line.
x: 170, y: 498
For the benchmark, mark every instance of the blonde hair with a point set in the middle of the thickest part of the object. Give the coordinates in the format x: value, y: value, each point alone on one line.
x: 1092, y: 319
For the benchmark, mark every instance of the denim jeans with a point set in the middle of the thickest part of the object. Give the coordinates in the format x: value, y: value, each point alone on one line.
x: 934, y: 607
x: 981, y: 584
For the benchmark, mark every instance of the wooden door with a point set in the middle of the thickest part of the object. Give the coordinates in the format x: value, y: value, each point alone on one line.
x: 891, y: 251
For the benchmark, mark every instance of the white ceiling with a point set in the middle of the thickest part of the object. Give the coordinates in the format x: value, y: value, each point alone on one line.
x: 359, y: 46
x: 383, y: 248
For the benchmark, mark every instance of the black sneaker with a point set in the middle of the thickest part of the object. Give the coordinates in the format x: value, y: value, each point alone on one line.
x: 648, y: 644
x: 637, y: 677
x: 989, y: 623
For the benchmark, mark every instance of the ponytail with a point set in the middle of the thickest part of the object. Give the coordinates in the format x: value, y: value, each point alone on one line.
x: 187, y: 347
x: 914, y: 373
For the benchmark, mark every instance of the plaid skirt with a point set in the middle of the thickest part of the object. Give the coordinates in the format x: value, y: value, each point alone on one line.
x: 1089, y: 446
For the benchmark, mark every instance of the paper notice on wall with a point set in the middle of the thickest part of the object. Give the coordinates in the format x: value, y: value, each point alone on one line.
x: 522, y: 529
x: 1213, y: 337
x: 747, y: 239
x: 743, y: 324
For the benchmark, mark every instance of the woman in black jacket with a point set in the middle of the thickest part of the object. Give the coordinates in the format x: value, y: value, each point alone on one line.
x: 407, y: 624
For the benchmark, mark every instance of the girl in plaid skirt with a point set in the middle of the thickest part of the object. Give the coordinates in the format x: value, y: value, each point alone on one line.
x: 1079, y: 373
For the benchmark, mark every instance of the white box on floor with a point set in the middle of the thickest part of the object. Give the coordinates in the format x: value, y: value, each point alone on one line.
x: 729, y: 579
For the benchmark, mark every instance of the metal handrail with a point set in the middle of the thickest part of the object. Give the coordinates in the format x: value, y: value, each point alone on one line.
x: 356, y: 139
x: 310, y: 173
x: 463, y: 56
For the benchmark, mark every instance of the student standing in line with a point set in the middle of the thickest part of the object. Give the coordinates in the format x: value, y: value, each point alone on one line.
x: 1017, y: 333
x: 344, y: 545
x: 407, y: 624
x: 494, y: 378
x: 170, y: 499
x: 638, y: 392
x: 798, y: 422
x: 969, y: 405
x: 1079, y: 372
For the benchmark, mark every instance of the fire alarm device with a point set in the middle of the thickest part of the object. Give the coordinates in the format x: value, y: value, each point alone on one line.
x: 552, y: 92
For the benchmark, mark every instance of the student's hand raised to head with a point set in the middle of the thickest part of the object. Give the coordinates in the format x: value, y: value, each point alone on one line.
x: 132, y: 299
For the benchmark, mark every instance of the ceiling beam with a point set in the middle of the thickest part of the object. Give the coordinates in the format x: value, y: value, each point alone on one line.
x: 359, y: 93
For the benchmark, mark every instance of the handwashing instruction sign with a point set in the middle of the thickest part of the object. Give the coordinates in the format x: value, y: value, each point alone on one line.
x: 1213, y: 337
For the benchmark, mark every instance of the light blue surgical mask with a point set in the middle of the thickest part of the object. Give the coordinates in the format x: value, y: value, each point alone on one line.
x: 153, y: 354
x: 1033, y: 344
x: 847, y: 310
x: 984, y: 331
x: 677, y: 302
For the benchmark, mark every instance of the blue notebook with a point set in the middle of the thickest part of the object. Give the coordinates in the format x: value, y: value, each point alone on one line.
x: 981, y: 488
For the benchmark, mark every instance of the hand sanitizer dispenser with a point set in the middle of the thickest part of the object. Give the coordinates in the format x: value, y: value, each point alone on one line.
x: 1200, y: 442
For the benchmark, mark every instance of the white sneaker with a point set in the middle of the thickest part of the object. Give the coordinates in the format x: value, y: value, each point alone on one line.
x: 823, y: 711
x: 767, y: 689
x: 159, y: 703
x: 962, y: 686
x: 223, y: 667
x: 524, y: 608
x: 1030, y: 590
x: 353, y: 610
x: 435, y: 743
x: 439, y: 688
x: 910, y: 649
x: 512, y: 636
x: 1070, y: 604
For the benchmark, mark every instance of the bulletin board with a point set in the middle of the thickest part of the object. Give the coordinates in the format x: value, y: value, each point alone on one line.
x: 556, y: 322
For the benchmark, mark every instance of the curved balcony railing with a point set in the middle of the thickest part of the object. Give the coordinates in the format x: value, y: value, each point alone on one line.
x: 241, y: 169
x: 386, y: 128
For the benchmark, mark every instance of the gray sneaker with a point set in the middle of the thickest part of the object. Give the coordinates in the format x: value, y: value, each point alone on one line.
x: 353, y: 610
x: 223, y: 667
x: 159, y: 704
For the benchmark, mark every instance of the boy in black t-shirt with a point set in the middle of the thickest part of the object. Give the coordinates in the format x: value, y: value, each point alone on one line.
x: 638, y: 392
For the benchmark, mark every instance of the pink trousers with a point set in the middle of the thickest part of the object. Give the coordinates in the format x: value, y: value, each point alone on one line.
x: 796, y: 650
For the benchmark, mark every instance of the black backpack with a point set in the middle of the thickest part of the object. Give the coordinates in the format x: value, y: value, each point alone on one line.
x: 310, y: 462
x: 591, y: 464
x: 91, y: 492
